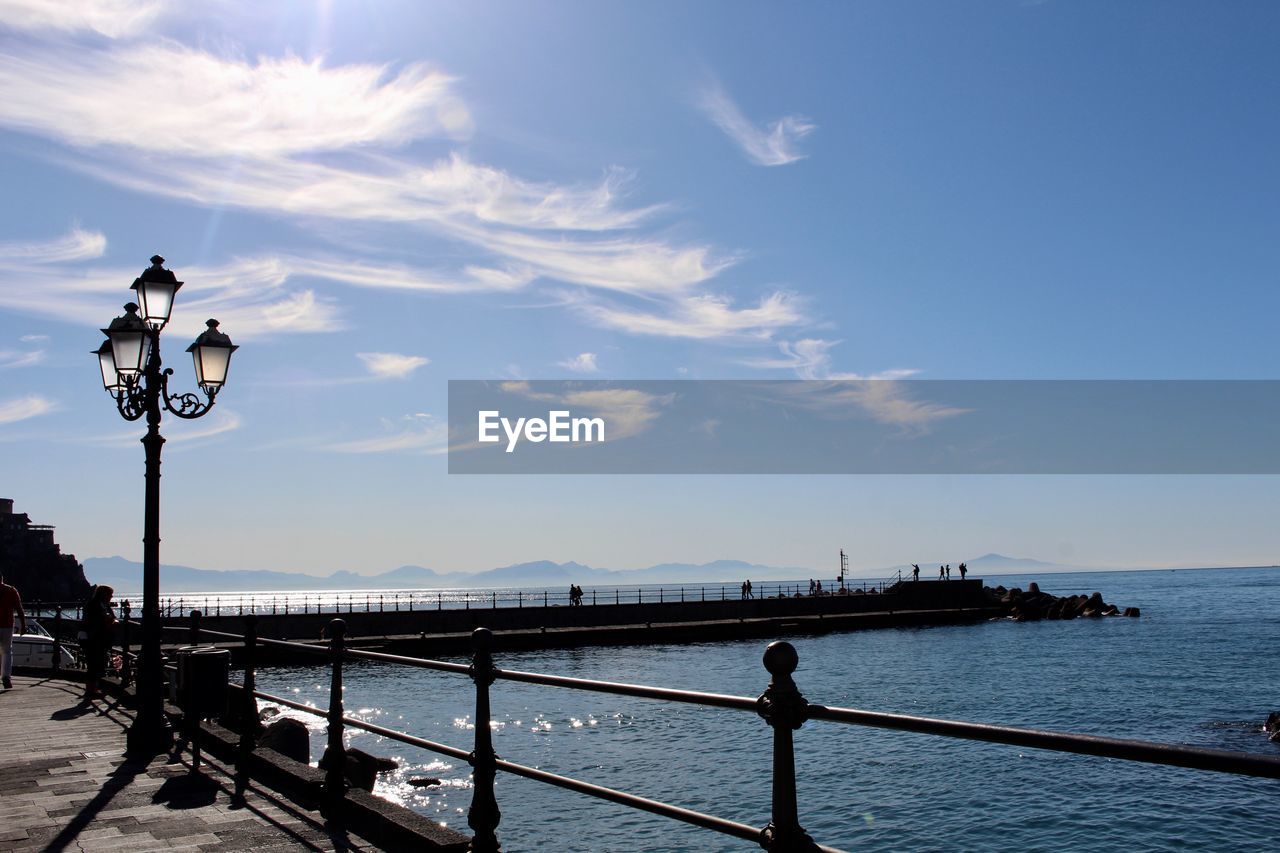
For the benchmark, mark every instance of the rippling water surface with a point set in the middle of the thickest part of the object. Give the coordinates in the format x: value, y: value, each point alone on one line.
x: 1198, y: 668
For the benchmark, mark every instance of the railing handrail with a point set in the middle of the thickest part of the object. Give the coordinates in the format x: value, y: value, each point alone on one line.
x: 1151, y: 752
x: 781, y: 706
x: 338, y: 602
x: 690, y: 816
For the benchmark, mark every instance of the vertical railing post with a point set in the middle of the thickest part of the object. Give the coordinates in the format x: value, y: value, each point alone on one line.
x: 484, y: 816
x: 250, y: 724
x: 544, y: 598
x: 126, y: 666
x: 190, y: 714
x: 335, y: 754
x: 783, y: 708
x: 249, y: 709
x: 57, y: 633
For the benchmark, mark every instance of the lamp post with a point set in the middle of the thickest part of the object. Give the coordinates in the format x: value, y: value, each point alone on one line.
x: 130, y: 362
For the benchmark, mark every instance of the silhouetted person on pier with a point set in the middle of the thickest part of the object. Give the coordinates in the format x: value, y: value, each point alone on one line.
x: 964, y: 570
x: 746, y: 588
x: 99, y: 624
x: 942, y: 573
x: 948, y: 571
x: 915, y: 571
x: 819, y: 589
x: 812, y: 587
x: 10, y: 606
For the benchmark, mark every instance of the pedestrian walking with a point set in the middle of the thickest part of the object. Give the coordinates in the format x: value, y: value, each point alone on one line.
x: 10, y: 607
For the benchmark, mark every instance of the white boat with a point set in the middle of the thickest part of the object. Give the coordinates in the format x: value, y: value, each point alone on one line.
x: 35, y: 649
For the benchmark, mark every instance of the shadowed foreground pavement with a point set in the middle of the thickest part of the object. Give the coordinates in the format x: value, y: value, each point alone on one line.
x: 64, y: 785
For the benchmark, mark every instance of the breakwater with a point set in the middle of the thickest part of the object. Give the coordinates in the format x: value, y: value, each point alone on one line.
x: 441, y: 631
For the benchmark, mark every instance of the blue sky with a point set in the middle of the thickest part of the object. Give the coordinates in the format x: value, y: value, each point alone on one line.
x: 375, y: 198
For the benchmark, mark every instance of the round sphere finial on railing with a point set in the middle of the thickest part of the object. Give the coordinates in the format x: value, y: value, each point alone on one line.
x: 781, y: 658
x: 482, y: 639
x: 337, y: 628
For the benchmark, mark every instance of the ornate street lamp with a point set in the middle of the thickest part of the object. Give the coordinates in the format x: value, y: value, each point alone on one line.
x: 130, y: 363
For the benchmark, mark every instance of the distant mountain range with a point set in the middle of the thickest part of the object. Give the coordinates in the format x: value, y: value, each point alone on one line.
x: 126, y: 575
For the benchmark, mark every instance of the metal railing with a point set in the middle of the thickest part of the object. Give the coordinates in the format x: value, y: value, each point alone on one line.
x: 781, y: 706
x: 394, y: 601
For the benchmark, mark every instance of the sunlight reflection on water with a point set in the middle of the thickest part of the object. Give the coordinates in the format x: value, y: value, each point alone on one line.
x: 1176, y: 675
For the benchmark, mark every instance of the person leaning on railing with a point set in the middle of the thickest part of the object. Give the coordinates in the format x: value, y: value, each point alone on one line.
x: 99, y: 625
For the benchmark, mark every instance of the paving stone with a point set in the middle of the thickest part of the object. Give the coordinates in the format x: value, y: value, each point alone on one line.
x: 64, y: 785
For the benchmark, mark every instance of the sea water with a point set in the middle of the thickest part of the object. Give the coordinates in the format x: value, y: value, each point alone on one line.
x: 1198, y: 668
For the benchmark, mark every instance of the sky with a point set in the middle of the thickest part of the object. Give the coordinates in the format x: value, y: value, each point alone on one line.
x: 375, y: 198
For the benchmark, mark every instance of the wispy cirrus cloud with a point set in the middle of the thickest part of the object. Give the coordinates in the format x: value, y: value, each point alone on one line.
x: 773, y: 145
x: 321, y: 143
x: 415, y: 433
x: 22, y: 408
x: 111, y: 18
x: 390, y: 365
x: 884, y: 400
x: 384, y: 276
x: 76, y: 245
x: 272, y: 107
x: 251, y: 297
x: 583, y: 362
x: 628, y: 411
x: 702, y: 317
x: 810, y: 358
x: 20, y: 358
x: 879, y: 395
x: 219, y: 421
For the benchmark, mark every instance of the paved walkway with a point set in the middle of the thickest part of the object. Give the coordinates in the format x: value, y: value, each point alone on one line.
x: 64, y: 785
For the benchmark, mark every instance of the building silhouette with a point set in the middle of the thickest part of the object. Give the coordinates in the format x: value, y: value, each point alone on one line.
x: 32, y: 561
